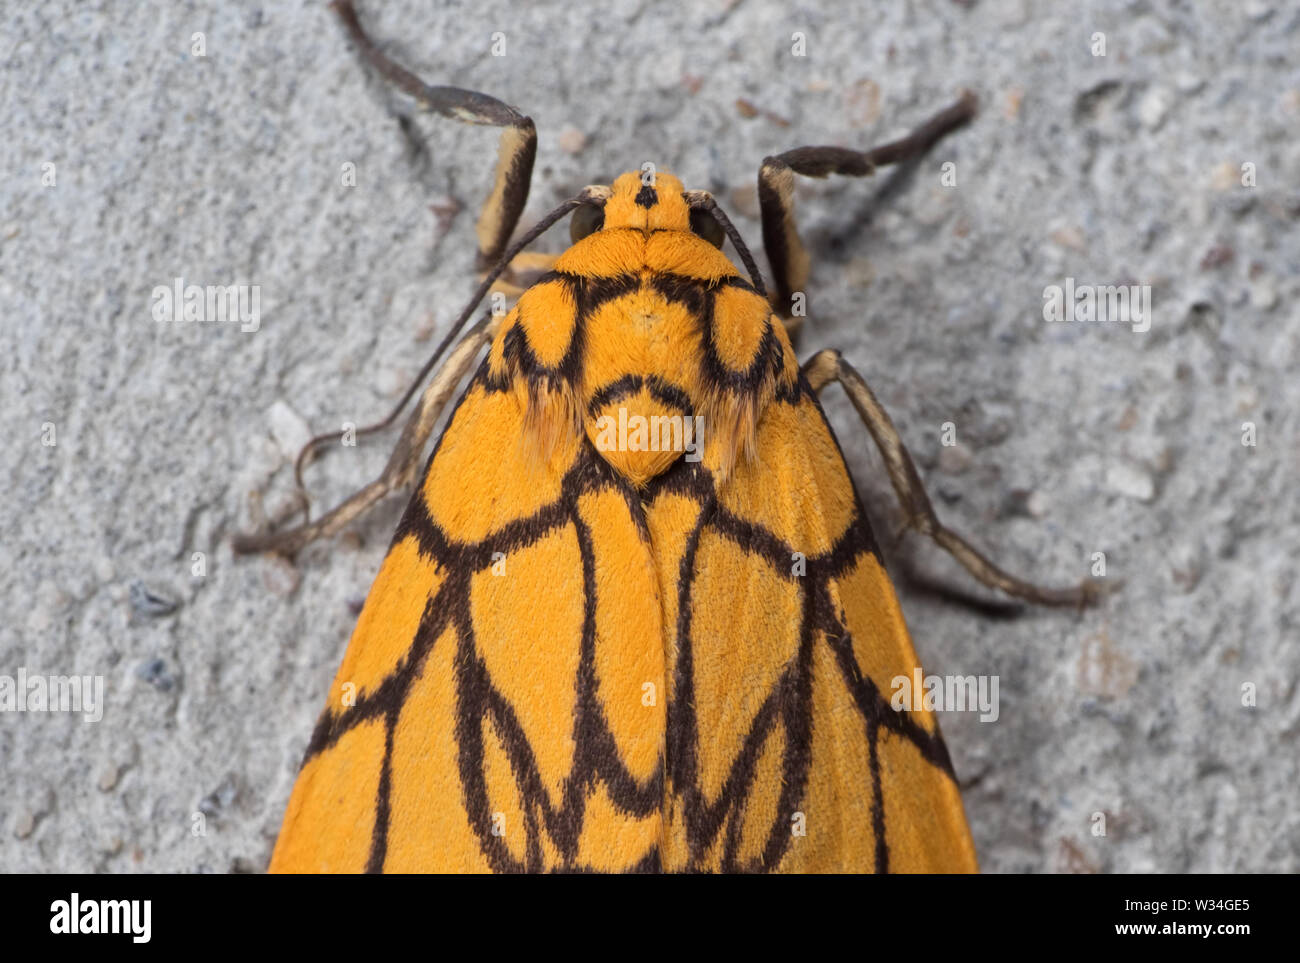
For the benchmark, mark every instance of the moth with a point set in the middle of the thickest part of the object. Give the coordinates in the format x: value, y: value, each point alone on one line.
x: 634, y: 617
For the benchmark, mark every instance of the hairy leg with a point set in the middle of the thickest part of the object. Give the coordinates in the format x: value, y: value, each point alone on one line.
x: 785, y: 251
x: 828, y: 366
x: 402, y: 465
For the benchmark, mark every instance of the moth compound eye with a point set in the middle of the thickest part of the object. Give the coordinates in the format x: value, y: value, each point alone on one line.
x: 586, y: 219
x: 706, y: 226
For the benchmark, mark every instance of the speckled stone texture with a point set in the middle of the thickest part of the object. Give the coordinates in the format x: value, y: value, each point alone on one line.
x: 1072, y: 438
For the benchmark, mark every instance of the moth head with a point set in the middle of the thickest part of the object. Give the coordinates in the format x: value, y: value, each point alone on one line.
x: 647, y: 200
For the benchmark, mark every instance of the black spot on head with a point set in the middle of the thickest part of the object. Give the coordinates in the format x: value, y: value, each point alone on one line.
x: 647, y: 197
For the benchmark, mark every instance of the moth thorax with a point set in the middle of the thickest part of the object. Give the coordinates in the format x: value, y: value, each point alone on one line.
x: 640, y: 436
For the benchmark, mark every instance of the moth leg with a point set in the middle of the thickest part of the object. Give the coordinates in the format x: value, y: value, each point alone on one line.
x: 827, y: 366
x: 403, y: 465
x: 785, y: 251
x: 515, y: 155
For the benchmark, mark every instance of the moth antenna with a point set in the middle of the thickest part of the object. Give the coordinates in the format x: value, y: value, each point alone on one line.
x: 586, y: 196
x: 704, y: 201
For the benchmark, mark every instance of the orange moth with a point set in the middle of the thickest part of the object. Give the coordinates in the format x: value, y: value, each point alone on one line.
x: 634, y: 617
